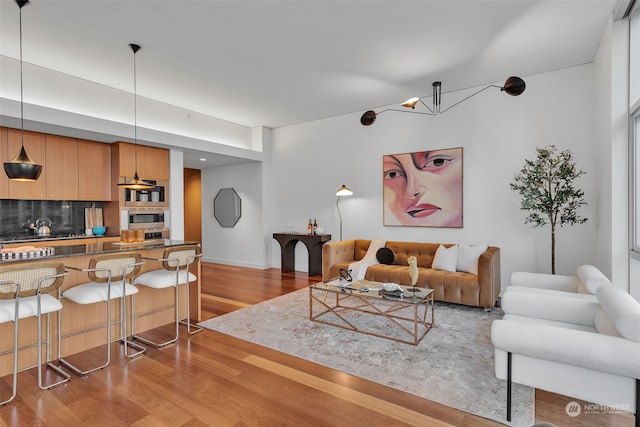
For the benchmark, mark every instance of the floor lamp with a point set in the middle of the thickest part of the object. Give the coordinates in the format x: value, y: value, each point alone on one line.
x: 342, y: 191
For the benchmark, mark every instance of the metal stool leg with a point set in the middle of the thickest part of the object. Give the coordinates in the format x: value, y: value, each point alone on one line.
x: 65, y: 376
x: 149, y: 341
x: 123, y: 331
x: 188, y: 321
x: 14, y: 382
x: 76, y: 369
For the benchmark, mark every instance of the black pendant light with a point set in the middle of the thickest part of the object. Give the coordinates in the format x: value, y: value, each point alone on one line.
x: 135, y: 183
x: 21, y: 167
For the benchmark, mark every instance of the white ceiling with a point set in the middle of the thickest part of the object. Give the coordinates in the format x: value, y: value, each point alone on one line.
x: 276, y: 63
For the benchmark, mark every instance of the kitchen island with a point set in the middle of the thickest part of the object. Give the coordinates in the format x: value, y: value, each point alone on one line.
x: 76, y: 317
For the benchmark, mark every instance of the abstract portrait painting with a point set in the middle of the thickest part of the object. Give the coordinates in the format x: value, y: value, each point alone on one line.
x: 423, y: 189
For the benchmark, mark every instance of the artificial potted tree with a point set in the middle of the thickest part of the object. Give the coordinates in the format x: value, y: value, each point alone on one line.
x: 548, y: 192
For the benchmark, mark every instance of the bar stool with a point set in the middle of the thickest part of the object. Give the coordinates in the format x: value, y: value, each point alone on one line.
x: 174, y: 272
x: 108, y: 276
x: 25, y: 290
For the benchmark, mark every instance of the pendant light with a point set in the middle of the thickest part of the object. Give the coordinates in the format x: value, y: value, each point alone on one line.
x: 21, y: 167
x: 135, y: 183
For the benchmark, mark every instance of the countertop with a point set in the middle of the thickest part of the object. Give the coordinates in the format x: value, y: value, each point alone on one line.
x: 27, y: 238
x: 101, y: 248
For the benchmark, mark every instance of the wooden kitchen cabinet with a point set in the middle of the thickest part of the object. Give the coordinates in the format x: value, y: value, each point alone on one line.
x: 72, y: 169
x: 94, y: 171
x: 4, y: 180
x: 127, y: 158
x: 156, y: 163
x: 152, y: 162
x: 34, y: 144
x: 62, y: 167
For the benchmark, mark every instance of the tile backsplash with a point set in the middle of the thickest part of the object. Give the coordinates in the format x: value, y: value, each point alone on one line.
x: 66, y: 216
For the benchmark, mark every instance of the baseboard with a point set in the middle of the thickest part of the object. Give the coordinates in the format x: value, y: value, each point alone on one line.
x: 237, y: 263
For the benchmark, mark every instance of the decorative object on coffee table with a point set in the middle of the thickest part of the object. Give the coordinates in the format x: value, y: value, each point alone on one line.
x: 413, y: 272
x: 548, y: 192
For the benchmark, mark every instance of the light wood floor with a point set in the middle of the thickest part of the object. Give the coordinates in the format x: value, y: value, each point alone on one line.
x: 213, y: 379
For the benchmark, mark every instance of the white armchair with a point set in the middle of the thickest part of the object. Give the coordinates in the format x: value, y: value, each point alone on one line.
x: 586, y: 281
x: 572, y: 346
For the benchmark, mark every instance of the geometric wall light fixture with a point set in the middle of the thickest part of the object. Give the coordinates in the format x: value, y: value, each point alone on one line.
x: 513, y: 86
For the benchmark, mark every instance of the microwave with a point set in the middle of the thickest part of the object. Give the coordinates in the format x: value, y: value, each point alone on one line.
x: 154, y: 221
x: 146, y: 219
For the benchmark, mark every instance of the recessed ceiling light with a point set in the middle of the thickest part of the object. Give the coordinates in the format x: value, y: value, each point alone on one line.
x: 203, y: 160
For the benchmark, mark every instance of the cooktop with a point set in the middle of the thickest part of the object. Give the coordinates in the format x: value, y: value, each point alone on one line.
x: 20, y: 237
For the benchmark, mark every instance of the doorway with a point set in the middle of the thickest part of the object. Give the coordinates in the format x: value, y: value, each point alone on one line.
x: 192, y: 205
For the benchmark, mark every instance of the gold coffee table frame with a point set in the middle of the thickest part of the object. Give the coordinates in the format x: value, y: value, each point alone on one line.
x: 364, y: 297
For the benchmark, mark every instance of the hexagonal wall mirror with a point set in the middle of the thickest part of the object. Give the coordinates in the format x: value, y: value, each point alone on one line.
x: 227, y: 207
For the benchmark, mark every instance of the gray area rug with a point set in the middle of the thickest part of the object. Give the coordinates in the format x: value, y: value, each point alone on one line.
x: 452, y: 365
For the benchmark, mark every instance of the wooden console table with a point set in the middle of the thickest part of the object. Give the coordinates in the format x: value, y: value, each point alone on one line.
x: 313, y: 242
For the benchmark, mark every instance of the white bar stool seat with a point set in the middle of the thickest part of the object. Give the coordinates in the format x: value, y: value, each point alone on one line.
x: 160, y: 279
x: 94, y: 292
x: 25, y: 292
x: 28, y: 307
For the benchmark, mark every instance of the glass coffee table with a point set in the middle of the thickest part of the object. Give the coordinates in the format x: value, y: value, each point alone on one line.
x: 363, y: 306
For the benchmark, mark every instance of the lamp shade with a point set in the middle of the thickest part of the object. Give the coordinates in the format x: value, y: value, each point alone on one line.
x: 344, y: 191
x: 411, y: 102
x: 514, y: 86
x: 368, y: 118
x: 22, y: 168
x: 136, y: 183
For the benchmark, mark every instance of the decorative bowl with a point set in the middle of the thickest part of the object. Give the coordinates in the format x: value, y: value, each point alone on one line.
x: 99, y: 231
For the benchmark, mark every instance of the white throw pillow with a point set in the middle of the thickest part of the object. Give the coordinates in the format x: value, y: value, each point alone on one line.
x: 622, y: 310
x: 590, y: 279
x: 468, y: 256
x: 445, y: 258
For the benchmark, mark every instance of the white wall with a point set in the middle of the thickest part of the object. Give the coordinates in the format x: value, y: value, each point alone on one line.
x: 603, y: 168
x: 497, y: 132
x: 634, y: 102
x: 242, y: 245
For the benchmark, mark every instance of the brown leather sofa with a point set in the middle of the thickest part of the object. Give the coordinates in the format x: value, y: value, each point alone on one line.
x: 480, y: 290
